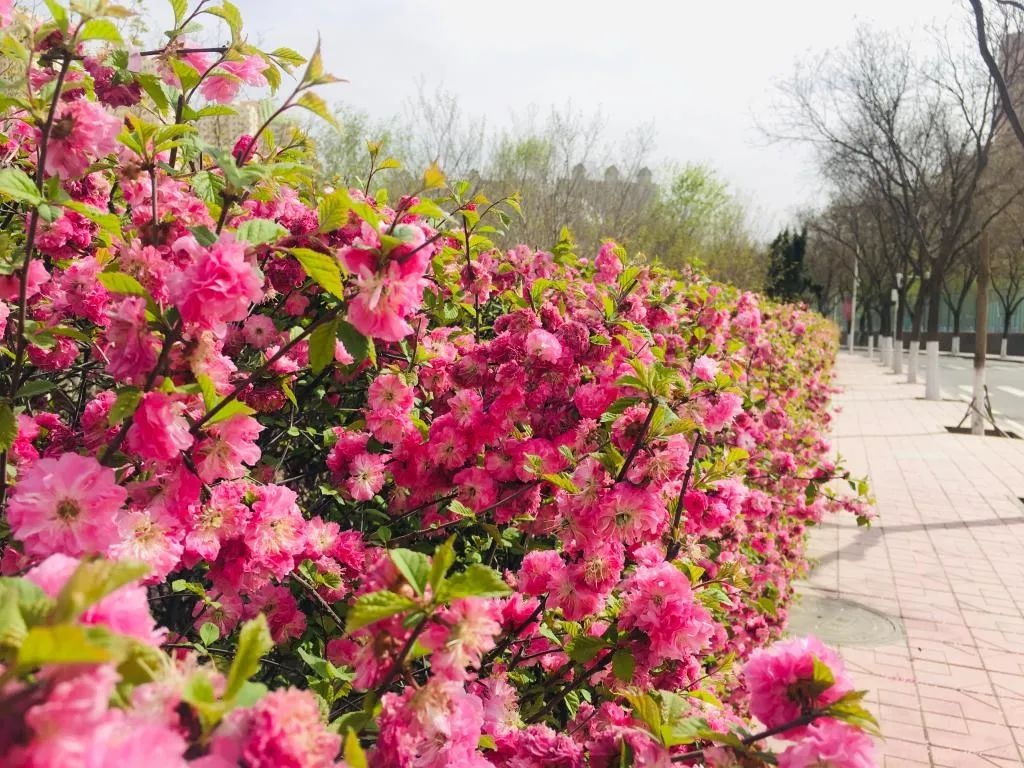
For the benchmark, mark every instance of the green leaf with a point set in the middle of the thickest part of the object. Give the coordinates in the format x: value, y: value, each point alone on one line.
x: 180, y: 8
x: 429, y: 209
x: 444, y: 558
x: 313, y: 103
x: 414, y: 566
x: 259, y: 231
x: 850, y: 710
x: 623, y: 665
x: 209, y: 633
x: 371, y: 608
x: 124, y: 406
x: 322, y: 342
x: 353, y: 752
x: 359, y: 346
x: 230, y: 13
x: 287, y: 57
x: 322, y: 268
x: 16, y: 184
x: 59, y: 14
x: 100, y: 29
x: 562, y: 481
x: 13, y: 627
x: 315, y: 74
x: 585, y: 648
x: 208, y: 390
x: 90, y: 582
x: 120, y: 282
x: 234, y: 408
x: 332, y: 210
x: 476, y: 581
x: 433, y: 177
x: 647, y: 710
x: 109, y: 223
x: 8, y: 427
x: 63, y: 644
x: 253, y: 641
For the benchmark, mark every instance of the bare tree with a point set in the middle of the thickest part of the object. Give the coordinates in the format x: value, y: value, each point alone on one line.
x: 918, y: 136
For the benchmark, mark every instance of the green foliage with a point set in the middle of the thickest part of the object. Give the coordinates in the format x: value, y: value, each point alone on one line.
x: 787, y: 278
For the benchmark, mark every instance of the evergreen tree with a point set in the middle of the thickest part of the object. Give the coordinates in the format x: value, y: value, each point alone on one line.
x: 787, y: 277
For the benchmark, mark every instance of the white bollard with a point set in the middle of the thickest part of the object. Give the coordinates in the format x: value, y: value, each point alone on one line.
x: 871, y: 346
x: 1002, y: 349
x: 915, y: 348
x: 956, y: 345
x: 932, y: 388
x: 897, y: 356
x: 883, y: 351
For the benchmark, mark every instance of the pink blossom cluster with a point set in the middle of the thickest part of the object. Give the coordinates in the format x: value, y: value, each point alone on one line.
x: 496, y: 507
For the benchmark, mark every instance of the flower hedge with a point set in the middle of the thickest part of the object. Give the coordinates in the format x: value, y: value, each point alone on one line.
x: 293, y: 475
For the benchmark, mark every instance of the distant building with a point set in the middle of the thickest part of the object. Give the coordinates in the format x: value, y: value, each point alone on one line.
x: 224, y: 130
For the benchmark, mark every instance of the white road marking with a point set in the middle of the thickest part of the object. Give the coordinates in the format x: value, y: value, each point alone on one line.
x: 966, y: 388
x: 1011, y: 391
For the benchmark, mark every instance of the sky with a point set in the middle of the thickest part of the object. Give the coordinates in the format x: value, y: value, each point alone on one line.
x: 705, y: 73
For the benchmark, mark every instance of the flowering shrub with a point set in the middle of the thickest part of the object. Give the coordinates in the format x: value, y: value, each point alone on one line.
x: 293, y: 476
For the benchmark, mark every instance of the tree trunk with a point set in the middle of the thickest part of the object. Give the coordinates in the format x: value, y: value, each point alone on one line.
x: 934, y: 290
x: 932, y: 386
x: 981, y: 338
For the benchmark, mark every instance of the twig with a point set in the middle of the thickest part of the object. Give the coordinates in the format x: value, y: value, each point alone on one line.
x: 674, y: 546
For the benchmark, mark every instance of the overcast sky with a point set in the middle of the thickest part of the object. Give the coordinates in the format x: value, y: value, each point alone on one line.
x: 704, y: 72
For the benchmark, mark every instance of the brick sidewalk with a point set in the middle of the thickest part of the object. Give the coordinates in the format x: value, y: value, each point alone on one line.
x: 945, y: 558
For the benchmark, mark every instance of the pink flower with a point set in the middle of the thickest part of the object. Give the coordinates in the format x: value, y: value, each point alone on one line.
x: 6, y: 12
x: 477, y: 489
x: 82, y: 131
x: 125, y: 610
x: 283, y: 730
x: 539, y: 570
x: 608, y: 263
x: 721, y: 413
x: 69, y: 505
x: 658, y: 601
x: 131, y: 349
x: 435, y: 726
x: 366, y: 475
x: 543, y: 345
x: 276, y: 533
x: 10, y: 285
x: 151, y: 537
x: 389, y: 391
x: 465, y: 632
x: 630, y: 513
x: 537, y: 745
x: 390, y: 291
x: 159, y: 431
x: 224, y: 84
x: 705, y: 368
x: 829, y: 743
x: 773, y: 675
x: 223, y: 517
x: 229, y: 449
x: 217, y: 288
x: 260, y: 331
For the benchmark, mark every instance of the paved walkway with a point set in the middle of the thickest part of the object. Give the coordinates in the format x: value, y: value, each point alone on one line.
x: 945, y: 560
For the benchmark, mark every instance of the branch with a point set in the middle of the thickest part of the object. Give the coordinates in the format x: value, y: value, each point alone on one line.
x: 993, y: 67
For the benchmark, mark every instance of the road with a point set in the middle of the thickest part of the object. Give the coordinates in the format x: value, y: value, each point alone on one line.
x: 1005, y: 386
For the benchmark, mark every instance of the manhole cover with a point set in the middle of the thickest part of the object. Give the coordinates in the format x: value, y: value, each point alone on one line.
x: 842, y: 622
